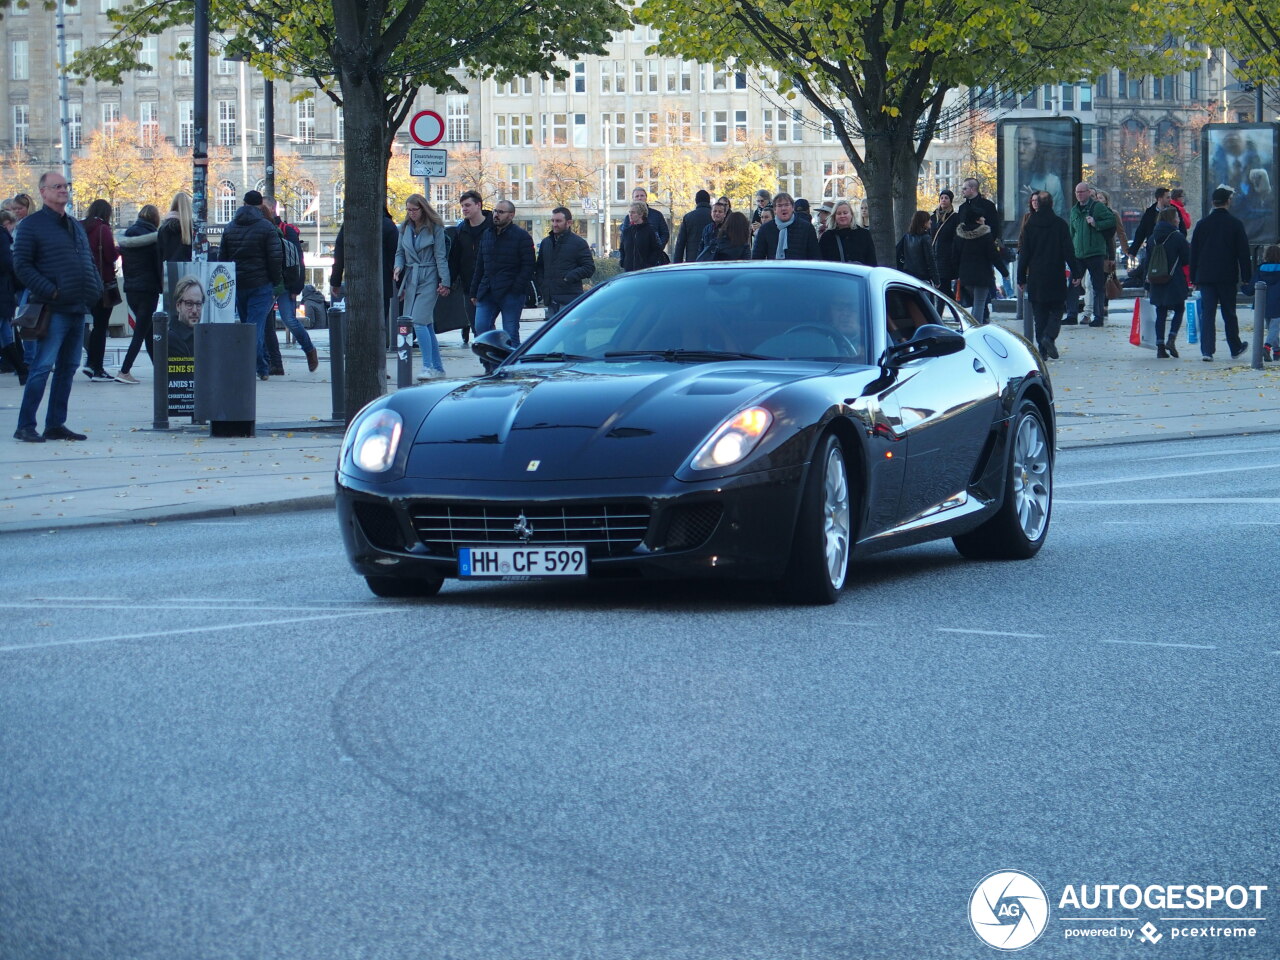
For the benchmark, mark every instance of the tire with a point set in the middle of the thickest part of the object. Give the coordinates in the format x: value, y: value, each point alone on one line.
x: 1018, y: 529
x: 398, y: 587
x: 819, y: 561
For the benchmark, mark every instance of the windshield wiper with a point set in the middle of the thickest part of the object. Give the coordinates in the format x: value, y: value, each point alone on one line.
x: 557, y: 355
x: 683, y: 356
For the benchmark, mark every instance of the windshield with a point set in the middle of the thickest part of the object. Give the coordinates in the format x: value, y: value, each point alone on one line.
x: 747, y: 313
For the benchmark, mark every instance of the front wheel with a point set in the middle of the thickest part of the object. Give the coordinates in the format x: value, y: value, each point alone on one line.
x: 820, y: 550
x: 399, y: 587
x: 1018, y: 529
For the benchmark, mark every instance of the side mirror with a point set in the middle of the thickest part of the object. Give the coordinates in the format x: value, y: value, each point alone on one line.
x: 492, y: 347
x: 930, y: 340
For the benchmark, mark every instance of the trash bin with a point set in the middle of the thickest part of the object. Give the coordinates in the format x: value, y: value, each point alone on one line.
x: 227, y: 378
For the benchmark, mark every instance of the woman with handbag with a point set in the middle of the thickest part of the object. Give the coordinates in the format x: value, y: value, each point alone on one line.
x: 143, y: 279
x: 422, y: 271
x: 102, y: 247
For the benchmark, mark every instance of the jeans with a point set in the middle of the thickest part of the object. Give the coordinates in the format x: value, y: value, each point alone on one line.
x: 1213, y: 296
x: 253, y: 307
x: 510, y: 306
x: 142, y: 308
x: 429, y: 346
x: 1174, y: 323
x: 1273, y: 333
x: 981, y: 297
x: 58, y: 353
x: 289, y: 314
x: 6, y: 332
x: 1098, y: 281
x: 97, y: 349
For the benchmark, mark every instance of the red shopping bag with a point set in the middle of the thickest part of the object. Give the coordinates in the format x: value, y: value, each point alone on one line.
x: 1135, y: 331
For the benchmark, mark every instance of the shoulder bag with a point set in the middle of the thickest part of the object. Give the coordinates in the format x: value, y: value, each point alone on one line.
x: 32, y: 319
x: 110, y: 288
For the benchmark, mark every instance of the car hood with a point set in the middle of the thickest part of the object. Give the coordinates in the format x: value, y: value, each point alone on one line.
x: 605, y: 421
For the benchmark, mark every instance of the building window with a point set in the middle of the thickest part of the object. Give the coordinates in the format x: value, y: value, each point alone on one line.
x: 1086, y: 138
x: 1104, y: 85
x: 186, y: 48
x: 1193, y: 83
x: 308, y: 203
x: 76, y: 126
x: 225, y: 201
x: 1167, y: 135
x: 557, y: 85
x: 613, y: 76
x: 739, y: 126
x: 1170, y: 85
x: 1068, y: 96
x: 719, y: 78
x: 21, y: 125
x: 789, y: 178
x: 337, y: 200
x: 720, y: 126
x: 306, y: 120
x: 579, y: 78
x: 1135, y: 88
x: 519, y: 181
x: 645, y: 73
x: 515, y: 130
x: 554, y: 129
x: 797, y: 126
x: 620, y: 194
x: 580, y: 132
x: 1100, y: 142
x: 457, y: 118
x: 227, y: 122
x: 519, y: 87
x: 110, y: 118
x: 149, y: 122
x: 260, y: 112
x: 186, y: 123
x: 1048, y: 96
x: 835, y: 179
x: 149, y: 53
x: 1133, y: 132
x: 340, y: 123
x: 679, y: 126
x: 679, y: 76
x: 613, y: 129
x: 645, y: 126
x: 19, y: 64
x: 1086, y: 96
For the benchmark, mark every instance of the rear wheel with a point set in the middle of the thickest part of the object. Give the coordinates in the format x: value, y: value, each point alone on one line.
x: 399, y: 587
x: 1018, y: 529
x: 820, y: 551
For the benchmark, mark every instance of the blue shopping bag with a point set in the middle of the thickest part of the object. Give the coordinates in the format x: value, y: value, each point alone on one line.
x: 1193, y: 319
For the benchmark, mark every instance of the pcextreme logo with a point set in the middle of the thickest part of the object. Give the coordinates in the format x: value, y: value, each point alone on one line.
x: 1010, y: 909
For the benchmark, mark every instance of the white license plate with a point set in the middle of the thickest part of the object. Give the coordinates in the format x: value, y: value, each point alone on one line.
x: 521, y: 562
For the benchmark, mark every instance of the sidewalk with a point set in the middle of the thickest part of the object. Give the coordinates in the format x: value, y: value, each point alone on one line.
x: 1107, y: 392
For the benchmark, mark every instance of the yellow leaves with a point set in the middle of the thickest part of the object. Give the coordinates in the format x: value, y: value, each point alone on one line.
x: 891, y: 111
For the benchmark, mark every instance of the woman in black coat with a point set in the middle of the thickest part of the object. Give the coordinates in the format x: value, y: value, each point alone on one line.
x: 844, y: 242
x: 915, y: 250
x: 141, y: 264
x: 1171, y: 296
x: 641, y: 247
x: 975, y: 257
x: 1046, y: 252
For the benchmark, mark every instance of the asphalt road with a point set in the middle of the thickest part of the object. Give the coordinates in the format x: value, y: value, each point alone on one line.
x: 215, y: 743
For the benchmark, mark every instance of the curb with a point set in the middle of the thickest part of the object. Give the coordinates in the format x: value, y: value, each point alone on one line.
x: 267, y: 508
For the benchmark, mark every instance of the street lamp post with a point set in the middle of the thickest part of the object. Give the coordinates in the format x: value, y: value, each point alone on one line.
x: 200, y: 122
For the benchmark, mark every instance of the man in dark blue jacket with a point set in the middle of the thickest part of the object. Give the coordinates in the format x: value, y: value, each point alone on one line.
x: 689, y: 239
x: 504, y: 268
x: 253, y: 243
x: 564, y: 261
x: 52, y: 260
x: 1220, y: 263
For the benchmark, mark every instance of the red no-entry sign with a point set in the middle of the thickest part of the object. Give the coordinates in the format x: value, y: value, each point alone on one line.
x: 427, y: 128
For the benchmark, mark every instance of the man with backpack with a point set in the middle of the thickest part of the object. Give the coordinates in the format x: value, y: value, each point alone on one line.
x: 1167, y: 255
x: 1089, y: 221
x: 295, y: 278
x: 254, y: 245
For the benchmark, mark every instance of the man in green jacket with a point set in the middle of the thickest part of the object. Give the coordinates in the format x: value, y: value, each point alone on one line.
x: 1090, y: 222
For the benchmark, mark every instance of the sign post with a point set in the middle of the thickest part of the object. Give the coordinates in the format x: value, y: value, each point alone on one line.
x: 427, y: 129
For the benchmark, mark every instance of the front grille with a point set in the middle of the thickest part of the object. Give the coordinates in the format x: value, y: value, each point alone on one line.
x: 607, y: 530
x: 691, y: 525
x: 379, y: 525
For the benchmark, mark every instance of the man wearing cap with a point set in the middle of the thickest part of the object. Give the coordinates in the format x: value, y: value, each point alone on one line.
x: 802, y: 210
x: 1220, y: 262
x: 252, y: 243
x: 691, y: 226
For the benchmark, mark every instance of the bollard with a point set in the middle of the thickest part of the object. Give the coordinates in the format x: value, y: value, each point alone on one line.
x: 1259, y: 322
x: 404, y: 353
x: 338, y: 362
x: 160, y: 370
x: 1027, y: 316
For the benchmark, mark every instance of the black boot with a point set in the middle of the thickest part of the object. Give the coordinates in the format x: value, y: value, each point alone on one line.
x: 13, y: 353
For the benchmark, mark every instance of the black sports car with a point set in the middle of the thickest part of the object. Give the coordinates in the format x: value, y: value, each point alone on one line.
x: 763, y: 420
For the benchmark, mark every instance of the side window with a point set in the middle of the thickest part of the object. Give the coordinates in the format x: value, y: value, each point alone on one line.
x: 905, y: 313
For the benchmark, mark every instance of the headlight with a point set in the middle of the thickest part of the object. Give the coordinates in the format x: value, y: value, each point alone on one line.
x: 734, y: 439
x: 376, y: 441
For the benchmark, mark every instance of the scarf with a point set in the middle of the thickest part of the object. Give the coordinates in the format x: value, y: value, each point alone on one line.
x: 782, y: 237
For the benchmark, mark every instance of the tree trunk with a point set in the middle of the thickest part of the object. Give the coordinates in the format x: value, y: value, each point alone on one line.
x: 365, y: 198
x: 877, y: 177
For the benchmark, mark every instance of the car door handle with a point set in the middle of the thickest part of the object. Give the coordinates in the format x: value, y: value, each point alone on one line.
x: 978, y: 367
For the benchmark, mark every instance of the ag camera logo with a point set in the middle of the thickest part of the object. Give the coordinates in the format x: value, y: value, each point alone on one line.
x: 1008, y: 910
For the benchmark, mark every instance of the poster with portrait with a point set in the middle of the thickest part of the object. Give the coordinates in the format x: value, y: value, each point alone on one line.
x: 199, y: 292
x: 1242, y: 157
x: 1036, y: 153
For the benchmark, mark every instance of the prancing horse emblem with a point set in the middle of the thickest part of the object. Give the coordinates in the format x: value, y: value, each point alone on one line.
x: 522, y: 528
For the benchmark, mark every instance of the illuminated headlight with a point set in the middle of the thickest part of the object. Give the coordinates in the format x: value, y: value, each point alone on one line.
x: 734, y: 439
x: 376, y: 441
